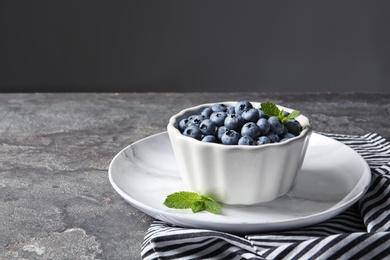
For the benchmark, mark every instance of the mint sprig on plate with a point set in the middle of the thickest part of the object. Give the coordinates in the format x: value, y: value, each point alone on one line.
x: 270, y: 109
x: 192, y: 200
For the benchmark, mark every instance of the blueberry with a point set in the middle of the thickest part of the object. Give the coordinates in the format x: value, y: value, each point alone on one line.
x: 276, y: 125
x: 289, y: 135
x: 293, y: 126
x: 246, y: 140
x: 209, y: 139
x: 285, y: 131
x: 241, y: 106
x: 207, y: 112
x: 234, y: 122
x: 218, y: 118
x: 264, y: 126
x: 196, y: 119
x: 207, y: 127
x: 262, y: 114
x: 286, y: 137
x: 251, y: 115
x: 250, y: 129
x: 263, y: 140
x: 183, y: 124
x: 219, y: 107
x: 274, y: 138
x: 193, y: 131
x: 230, y: 137
x: 221, y: 130
x: 230, y: 110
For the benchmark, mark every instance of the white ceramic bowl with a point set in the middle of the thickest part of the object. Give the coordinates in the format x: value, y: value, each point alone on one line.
x: 238, y: 174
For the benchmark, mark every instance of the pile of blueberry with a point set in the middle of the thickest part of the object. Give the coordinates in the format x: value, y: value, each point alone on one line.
x: 241, y: 124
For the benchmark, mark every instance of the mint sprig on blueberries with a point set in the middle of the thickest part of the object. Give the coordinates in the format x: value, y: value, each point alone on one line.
x: 192, y: 200
x: 270, y: 109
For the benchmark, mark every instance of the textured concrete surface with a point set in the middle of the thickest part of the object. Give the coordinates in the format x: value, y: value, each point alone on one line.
x: 55, y: 198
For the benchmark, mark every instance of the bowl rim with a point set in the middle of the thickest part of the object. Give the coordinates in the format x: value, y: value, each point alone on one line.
x: 306, y: 127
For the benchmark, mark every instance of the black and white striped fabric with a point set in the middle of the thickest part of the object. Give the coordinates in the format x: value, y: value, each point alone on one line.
x: 360, y: 232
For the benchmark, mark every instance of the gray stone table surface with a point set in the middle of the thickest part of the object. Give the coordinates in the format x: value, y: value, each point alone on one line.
x: 56, y: 201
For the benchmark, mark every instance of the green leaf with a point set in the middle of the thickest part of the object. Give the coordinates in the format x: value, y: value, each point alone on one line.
x: 193, y: 201
x: 181, y: 199
x: 294, y: 114
x: 270, y: 109
x: 211, y: 205
x: 281, y: 115
x: 205, y: 197
x: 198, y: 206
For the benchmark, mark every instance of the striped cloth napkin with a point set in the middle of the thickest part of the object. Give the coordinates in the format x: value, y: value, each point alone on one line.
x: 360, y: 232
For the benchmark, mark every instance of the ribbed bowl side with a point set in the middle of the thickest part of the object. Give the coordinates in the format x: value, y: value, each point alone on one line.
x: 238, y: 174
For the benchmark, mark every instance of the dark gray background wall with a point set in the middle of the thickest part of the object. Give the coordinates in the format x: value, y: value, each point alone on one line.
x: 194, y: 46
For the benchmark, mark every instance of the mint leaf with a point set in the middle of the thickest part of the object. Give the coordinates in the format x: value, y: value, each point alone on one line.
x: 281, y: 115
x: 205, y: 197
x: 181, y: 200
x: 193, y: 201
x: 294, y: 114
x: 211, y: 205
x: 198, y: 206
x: 270, y: 109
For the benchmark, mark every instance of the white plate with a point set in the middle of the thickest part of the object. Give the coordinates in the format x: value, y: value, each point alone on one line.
x: 332, y: 178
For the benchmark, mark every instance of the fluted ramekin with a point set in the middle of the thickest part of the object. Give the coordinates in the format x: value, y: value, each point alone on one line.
x: 238, y: 174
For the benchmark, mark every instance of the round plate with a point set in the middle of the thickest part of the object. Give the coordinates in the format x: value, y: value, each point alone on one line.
x: 332, y: 178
